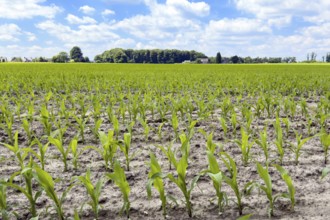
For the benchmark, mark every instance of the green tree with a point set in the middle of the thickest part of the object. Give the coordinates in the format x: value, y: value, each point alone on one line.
x: 327, y: 58
x: 62, y: 57
x: 76, y: 54
x: 218, y: 58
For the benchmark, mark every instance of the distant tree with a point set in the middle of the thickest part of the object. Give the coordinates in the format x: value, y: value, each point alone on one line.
x: 16, y: 59
x: 62, y: 57
x: 76, y: 54
x: 86, y: 60
x: 248, y: 59
x: 218, y: 58
x: 234, y: 59
x: 3, y: 59
x: 327, y: 58
x: 313, y: 56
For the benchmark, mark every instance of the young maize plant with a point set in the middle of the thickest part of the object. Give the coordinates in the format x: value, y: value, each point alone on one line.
x: 94, y: 192
x: 325, y: 141
x: 75, y: 152
x: 145, y: 127
x: 216, y: 175
x: 125, y: 147
x: 169, y: 153
x: 303, y: 106
x: 27, y: 173
x: 156, y: 181
x: 8, y: 127
x: 263, y: 143
x: 224, y: 126
x: 27, y: 128
x: 46, y: 182
x: 159, y: 131
x: 64, y: 152
x: 279, y: 141
x: 42, y: 151
x: 181, y: 181
x: 45, y: 120
x: 119, y: 178
x: 20, y: 153
x: 115, y: 124
x: 175, y: 125
x: 286, y: 121
x: 291, y: 189
x: 108, y: 150
x: 3, y: 201
x: 245, y: 147
x: 95, y: 129
x: 268, y: 189
x: 296, y: 148
x: 231, y: 181
x: 81, y: 121
x: 233, y: 121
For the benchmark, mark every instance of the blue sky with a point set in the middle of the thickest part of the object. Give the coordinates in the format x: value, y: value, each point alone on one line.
x: 30, y: 28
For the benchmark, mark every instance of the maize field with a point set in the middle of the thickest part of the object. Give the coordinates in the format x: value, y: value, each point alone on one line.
x: 128, y: 141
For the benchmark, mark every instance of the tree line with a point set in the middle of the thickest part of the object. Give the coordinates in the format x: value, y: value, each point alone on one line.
x: 119, y: 55
x: 163, y: 56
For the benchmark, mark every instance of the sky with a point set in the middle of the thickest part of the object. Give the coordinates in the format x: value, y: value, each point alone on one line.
x: 271, y: 28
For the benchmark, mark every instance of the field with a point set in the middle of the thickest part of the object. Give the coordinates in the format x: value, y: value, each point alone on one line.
x: 107, y: 141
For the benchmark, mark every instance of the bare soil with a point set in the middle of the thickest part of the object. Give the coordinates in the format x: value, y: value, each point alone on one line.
x: 312, y: 193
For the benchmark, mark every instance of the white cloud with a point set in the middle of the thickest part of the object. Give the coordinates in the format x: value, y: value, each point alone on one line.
x: 9, y: 32
x: 95, y: 33
x: 228, y: 26
x: 72, y: 19
x: 87, y: 9
x: 108, y: 12
x: 31, y: 36
x: 313, y: 11
x: 21, y: 9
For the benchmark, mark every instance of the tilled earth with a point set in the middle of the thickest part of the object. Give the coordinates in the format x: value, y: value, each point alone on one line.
x: 312, y: 193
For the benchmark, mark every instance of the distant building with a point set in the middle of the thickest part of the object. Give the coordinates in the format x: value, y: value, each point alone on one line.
x: 204, y: 60
x: 186, y: 61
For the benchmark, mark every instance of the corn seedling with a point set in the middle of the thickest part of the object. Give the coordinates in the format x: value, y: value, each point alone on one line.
x: 156, y: 181
x: 279, y: 142
x: 94, y: 192
x: 95, y: 129
x: 81, y: 121
x: 45, y: 120
x: 108, y: 150
x: 64, y: 152
x: 115, y: 123
x: 75, y: 152
x: 180, y: 181
x: 169, y: 153
x: 42, y: 151
x: 216, y: 175
x: 291, y: 189
x: 175, y: 125
x: 27, y: 174
x: 325, y: 141
x: 119, y: 178
x: 20, y: 153
x: 125, y: 147
x: 145, y: 127
x: 245, y: 147
x: 160, y: 133
x: 263, y: 143
x: 231, y: 181
x: 233, y: 121
x: 224, y: 126
x: 46, y: 182
x: 286, y: 121
x: 3, y: 201
x: 27, y: 128
x: 296, y: 148
x: 267, y: 187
